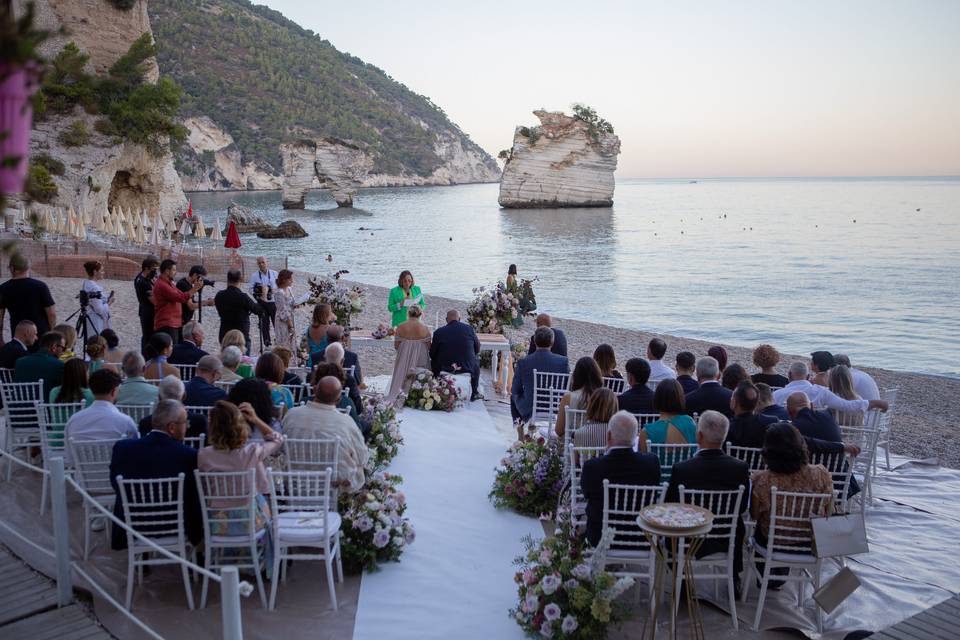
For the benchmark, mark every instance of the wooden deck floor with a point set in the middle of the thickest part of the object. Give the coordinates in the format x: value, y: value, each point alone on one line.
x: 941, y: 621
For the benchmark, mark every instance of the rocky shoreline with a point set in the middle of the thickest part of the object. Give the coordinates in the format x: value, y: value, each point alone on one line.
x: 923, y: 426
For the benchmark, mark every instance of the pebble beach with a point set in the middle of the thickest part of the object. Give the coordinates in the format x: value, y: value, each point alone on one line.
x: 922, y: 424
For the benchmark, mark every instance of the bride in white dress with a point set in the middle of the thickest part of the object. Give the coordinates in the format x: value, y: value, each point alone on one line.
x: 412, y: 342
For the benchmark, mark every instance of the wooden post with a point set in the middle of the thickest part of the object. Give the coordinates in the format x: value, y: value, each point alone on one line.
x: 230, y: 603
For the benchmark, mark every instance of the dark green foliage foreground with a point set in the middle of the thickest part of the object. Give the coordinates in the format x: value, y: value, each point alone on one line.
x: 264, y: 79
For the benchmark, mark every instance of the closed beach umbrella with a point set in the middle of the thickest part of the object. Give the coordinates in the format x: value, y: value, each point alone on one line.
x: 81, y: 228
x: 154, y: 237
x: 233, y: 238
x: 185, y: 229
x: 141, y: 234
x: 48, y: 222
x: 131, y: 231
x: 200, y: 232
x: 61, y: 223
x: 216, y: 233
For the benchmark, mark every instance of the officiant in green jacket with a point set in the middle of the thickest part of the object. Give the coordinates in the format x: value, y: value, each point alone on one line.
x: 403, y: 296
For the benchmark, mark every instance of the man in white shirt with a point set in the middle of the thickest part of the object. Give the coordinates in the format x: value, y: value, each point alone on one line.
x: 101, y: 420
x: 863, y: 383
x: 819, y: 396
x: 319, y: 418
x: 263, y: 284
x: 658, y: 371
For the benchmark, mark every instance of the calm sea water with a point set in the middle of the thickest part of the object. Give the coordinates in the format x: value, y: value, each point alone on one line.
x: 870, y: 267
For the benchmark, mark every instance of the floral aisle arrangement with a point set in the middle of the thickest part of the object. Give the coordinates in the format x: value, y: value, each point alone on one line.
x: 529, y: 478
x: 344, y: 299
x: 385, y: 437
x: 429, y: 392
x: 495, y: 308
x: 563, y: 594
x: 374, y: 529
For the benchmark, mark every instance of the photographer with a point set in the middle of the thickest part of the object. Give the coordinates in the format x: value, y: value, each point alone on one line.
x: 263, y: 284
x: 197, y: 274
x: 235, y: 307
x: 92, y: 299
x: 143, y: 285
x: 167, y: 300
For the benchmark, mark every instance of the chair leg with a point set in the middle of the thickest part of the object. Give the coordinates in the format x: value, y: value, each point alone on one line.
x: 275, y: 581
x: 816, y: 585
x: 255, y: 554
x: 45, y: 488
x: 185, y: 571
x: 763, y: 594
x: 749, y: 573
x: 87, y: 523
x: 733, y: 600
x: 339, y: 563
x: 130, y: 569
x: 206, y: 580
x: 328, y: 561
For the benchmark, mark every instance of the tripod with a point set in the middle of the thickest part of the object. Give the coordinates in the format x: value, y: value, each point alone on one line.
x: 82, y: 323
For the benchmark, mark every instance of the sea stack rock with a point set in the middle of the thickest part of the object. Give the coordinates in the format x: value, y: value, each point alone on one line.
x: 565, y: 162
x: 327, y: 163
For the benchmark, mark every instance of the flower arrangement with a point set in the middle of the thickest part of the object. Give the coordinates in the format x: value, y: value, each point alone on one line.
x: 429, y: 392
x: 374, y: 529
x: 385, y: 438
x: 530, y: 477
x: 381, y: 332
x: 344, y: 300
x: 495, y: 308
x: 564, y: 594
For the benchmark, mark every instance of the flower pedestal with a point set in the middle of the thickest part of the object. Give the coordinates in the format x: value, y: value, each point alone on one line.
x: 16, y: 117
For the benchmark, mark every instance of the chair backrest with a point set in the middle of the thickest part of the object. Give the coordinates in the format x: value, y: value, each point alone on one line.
x: 347, y: 370
x: 312, y: 454
x: 573, y: 420
x: 197, y: 442
x: 883, y: 419
x: 724, y: 505
x: 753, y: 456
x: 226, y: 385
x: 548, y: 391
x: 671, y: 454
x: 136, y: 411
x: 6, y: 375
x: 848, y: 419
x: 53, y: 422
x: 306, y: 493
x: 301, y: 372
x: 790, y: 514
x: 590, y: 434
x: 187, y: 371
x: 300, y: 392
x: 198, y: 410
x: 344, y: 410
x: 866, y: 439
x: 622, y: 504
x: 646, y: 418
x: 575, y: 457
x: 154, y: 508
x: 231, y: 496
x: 615, y: 384
x: 840, y: 466
x: 91, y: 460
x: 20, y: 401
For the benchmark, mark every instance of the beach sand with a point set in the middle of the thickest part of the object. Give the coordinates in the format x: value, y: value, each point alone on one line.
x: 922, y: 424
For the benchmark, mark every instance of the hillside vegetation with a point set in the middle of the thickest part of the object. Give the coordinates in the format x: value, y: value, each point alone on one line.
x: 266, y: 80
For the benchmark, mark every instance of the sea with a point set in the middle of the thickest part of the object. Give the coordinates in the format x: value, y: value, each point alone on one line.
x: 864, y: 266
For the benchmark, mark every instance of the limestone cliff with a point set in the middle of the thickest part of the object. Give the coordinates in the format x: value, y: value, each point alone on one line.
x: 561, y: 163
x: 211, y: 161
x: 103, y: 173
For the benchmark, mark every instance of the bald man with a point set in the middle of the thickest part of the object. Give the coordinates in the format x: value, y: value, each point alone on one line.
x: 559, y: 338
x: 455, y: 348
x: 810, y: 423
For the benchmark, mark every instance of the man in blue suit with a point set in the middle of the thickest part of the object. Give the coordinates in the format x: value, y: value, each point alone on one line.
x: 159, y: 454
x: 454, y: 349
x: 188, y: 350
x: 201, y: 390
x: 559, y: 345
x: 710, y: 395
x: 521, y: 395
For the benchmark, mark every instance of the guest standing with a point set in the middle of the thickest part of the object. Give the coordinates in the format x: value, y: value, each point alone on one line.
x: 98, y: 307
x: 285, y: 306
x: 26, y: 298
x: 403, y: 297
x: 559, y: 346
x: 511, y: 282
x: 143, y: 286
x: 455, y: 348
x: 766, y: 358
x: 24, y: 337
x: 263, y: 285
x: 168, y: 300
x: 235, y: 308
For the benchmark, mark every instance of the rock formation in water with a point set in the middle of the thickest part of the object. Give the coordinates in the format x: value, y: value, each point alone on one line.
x: 564, y: 162
x: 286, y: 229
x: 211, y: 161
x: 101, y: 173
x: 244, y: 220
x: 327, y: 163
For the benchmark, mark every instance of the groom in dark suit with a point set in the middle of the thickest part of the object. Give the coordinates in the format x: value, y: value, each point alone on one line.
x: 454, y: 349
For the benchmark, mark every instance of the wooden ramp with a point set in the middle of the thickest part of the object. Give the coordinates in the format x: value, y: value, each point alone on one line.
x: 941, y: 621
x: 28, y: 607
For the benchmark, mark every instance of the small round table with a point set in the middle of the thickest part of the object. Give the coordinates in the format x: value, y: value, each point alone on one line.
x: 671, y: 558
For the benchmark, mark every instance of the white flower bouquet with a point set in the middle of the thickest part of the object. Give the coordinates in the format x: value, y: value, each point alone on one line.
x: 385, y: 437
x: 344, y: 300
x: 429, y: 392
x: 374, y: 529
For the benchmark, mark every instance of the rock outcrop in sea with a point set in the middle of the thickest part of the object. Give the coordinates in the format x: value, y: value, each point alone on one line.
x: 245, y: 220
x: 286, y: 229
x: 326, y: 163
x: 563, y: 162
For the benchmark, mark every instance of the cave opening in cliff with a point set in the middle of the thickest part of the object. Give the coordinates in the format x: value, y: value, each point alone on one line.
x: 127, y: 193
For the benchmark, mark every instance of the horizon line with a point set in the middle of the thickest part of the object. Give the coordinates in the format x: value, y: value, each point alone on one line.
x: 810, y: 177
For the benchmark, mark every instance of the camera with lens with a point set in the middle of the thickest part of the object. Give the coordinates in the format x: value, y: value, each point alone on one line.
x: 86, y: 296
x: 209, y: 283
x: 258, y: 291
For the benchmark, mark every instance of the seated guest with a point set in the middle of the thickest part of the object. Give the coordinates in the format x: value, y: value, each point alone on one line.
x: 820, y: 363
x: 334, y: 353
x: 840, y: 382
x: 658, y: 370
x: 69, y: 340
x: 639, y: 397
x: 319, y: 418
x: 171, y: 388
x: 620, y: 465
x: 542, y: 359
x: 159, y: 347
x: 135, y: 389
x: 710, y: 395
x: 821, y: 396
x: 559, y: 345
x: 766, y: 358
x: 767, y: 406
x: 719, y: 354
x: 748, y: 428
x: 455, y: 348
x: 686, y: 363
x: 24, y: 335
x: 270, y: 369
x: 600, y: 408
x: 74, y: 387
x: 713, y: 470
x: 159, y: 454
x: 814, y: 424
x: 44, y: 365
x: 674, y: 426
x: 605, y: 358
x: 585, y: 380
x: 325, y: 369
x: 188, y: 351
x: 863, y: 383
x: 101, y: 420
x: 286, y: 356
x: 201, y: 390
x: 230, y: 359
x: 96, y: 350
x: 114, y: 353
x: 335, y: 333
x: 733, y: 375
x: 235, y: 338
x: 257, y: 393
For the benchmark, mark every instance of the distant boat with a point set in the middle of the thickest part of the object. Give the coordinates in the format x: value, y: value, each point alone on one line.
x: 692, y: 182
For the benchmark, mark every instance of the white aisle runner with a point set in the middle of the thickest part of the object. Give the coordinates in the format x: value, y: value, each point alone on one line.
x: 456, y: 579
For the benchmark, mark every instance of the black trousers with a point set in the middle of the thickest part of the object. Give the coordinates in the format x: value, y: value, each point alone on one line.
x: 173, y: 332
x: 269, y: 311
x: 146, y: 327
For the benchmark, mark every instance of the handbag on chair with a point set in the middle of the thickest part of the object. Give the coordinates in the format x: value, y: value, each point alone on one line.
x: 841, y: 535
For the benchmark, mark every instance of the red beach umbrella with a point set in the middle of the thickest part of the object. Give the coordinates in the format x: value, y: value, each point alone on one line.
x: 233, y: 238
x: 189, y: 209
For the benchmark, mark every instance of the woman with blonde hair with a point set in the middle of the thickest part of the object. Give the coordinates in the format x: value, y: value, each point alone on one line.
x: 412, y: 343
x: 69, y: 340
x: 840, y: 382
x: 600, y: 408
x: 96, y: 350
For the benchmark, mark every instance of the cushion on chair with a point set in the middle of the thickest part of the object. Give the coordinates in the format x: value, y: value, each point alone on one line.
x: 781, y: 556
x: 240, y: 541
x: 306, y: 526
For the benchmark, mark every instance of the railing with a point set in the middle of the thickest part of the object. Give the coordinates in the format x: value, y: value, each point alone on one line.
x: 228, y: 578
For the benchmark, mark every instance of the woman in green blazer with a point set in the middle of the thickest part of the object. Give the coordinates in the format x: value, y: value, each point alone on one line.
x: 402, y: 297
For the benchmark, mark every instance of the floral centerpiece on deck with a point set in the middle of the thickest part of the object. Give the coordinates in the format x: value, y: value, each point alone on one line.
x: 344, y: 299
x: 429, y: 392
x: 374, y: 529
x: 495, y: 308
x: 561, y: 593
x: 385, y: 437
x: 529, y: 478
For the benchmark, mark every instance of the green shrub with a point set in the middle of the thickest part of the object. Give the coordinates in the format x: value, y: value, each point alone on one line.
x: 76, y: 135
x: 51, y: 164
x: 40, y: 186
x: 104, y: 126
x: 123, y: 5
x: 208, y: 157
x: 596, y: 126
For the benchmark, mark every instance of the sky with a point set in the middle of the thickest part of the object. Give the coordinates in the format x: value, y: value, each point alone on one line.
x: 717, y: 88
